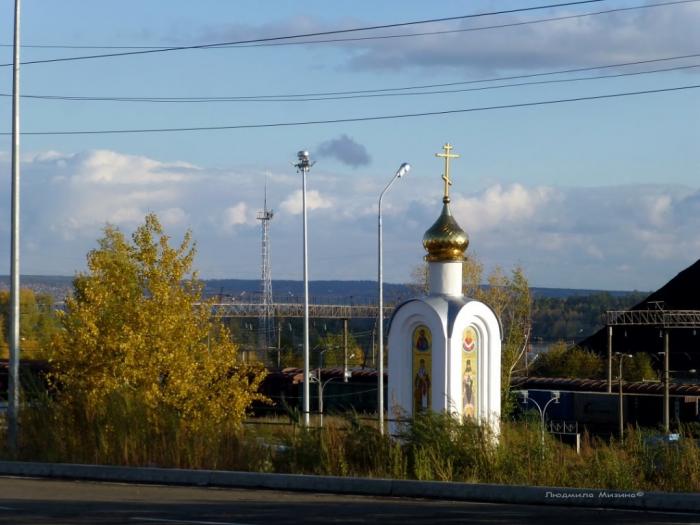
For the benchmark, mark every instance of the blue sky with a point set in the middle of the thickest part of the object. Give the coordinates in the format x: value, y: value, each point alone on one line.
x: 597, y: 194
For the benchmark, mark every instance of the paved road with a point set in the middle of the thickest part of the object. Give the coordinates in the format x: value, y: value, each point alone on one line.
x: 34, y: 501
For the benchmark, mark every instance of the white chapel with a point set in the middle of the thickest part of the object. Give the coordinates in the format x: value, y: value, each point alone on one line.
x: 445, y: 348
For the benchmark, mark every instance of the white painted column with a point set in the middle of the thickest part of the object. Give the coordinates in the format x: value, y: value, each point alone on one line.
x: 445, y: 278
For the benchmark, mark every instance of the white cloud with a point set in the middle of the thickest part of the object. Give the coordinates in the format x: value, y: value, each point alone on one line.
x: 49, y: 156
x: 659, y: 209
x: 105, y: 167
x: 610, y: 38
x: 314, y: 201
x: 172, y: 217
x: 124, y: 216
x: 498, y: 206
x: 623, y: 36
x: 235, y: 215
x: 602, y: 237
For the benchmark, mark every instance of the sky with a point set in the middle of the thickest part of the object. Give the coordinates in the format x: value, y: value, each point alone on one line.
x: 596, y: 194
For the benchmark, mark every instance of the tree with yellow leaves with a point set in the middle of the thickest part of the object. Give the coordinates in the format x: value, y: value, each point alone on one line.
x: 138, y: 330
x: 37, y: 324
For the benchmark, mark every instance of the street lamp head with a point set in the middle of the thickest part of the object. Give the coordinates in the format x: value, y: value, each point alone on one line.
x: 403, y: 170
x: 304, y: 160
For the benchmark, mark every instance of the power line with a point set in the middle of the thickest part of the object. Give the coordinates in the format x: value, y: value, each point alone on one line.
x: 469, y: 29
x: 311, y: 98
x: 379, y: 37
x: 381, y: 90
x: 364, y: 119
x: 307, y: 35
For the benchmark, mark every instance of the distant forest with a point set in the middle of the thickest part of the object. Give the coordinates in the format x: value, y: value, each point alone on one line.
x: 557, y: 313
x: 575, y: 317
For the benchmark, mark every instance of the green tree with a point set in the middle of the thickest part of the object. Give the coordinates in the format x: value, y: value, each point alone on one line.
x: 639, y: 368
x: 514, y: 308
x: 574, y: 317
x: 334, y: 345
x: 562, y: 361
x: 419, y: 284
x: 137, y: 328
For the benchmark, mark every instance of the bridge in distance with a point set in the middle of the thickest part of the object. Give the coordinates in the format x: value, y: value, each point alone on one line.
x: 284, y: 310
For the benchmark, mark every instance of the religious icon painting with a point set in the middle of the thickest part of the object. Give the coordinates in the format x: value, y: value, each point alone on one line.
x: 422, y: 368
x: 470, y: 344
x: 469, y: 340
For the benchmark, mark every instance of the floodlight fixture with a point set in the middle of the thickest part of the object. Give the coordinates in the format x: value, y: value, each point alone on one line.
x: 403, y: 170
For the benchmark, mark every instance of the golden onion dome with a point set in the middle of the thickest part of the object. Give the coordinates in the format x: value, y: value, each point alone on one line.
x: 445, y: 241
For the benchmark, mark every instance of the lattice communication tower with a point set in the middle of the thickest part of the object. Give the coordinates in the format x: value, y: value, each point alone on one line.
x: 265, y: 321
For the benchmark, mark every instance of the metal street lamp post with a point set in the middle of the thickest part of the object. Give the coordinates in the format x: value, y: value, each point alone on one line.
x: 610, y: 335
x: 303, y: 165
x: 321, y: 387
x: 321, y: 384
x: 542, y: 410
x: 621, y: 357
x: 13, y: 364
x: 667, y: 381
x: 403, y: 170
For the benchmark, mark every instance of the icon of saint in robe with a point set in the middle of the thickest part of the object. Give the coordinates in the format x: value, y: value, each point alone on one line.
x: 421, y: 388
x: 468, y: 390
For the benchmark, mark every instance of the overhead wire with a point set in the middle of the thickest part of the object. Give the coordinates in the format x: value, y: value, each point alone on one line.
x: 357, y: 95
x: 307, y: 35
x: 386, y: 91
x: 469, y: 29
x: 377, y: 37
x: 364, y: 119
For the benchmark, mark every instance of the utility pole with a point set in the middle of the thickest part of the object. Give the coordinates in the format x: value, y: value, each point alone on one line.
x: 621, y: 406
x: 279, y: 343
x: 265, y: 322
x: 610, y: 334
x: 13, y: 372
x: 667, y: 376
x: 345, y: 350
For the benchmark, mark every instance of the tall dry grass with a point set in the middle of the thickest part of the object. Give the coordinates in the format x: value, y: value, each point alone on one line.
x: 431, y: 447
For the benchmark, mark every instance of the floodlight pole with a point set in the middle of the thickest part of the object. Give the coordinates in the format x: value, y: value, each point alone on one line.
x: 610, y: 335
x: 621, y: 357
x: 667, y: 377
x: 303, y: 166
x: 403, y: 170
x: 13, y: 372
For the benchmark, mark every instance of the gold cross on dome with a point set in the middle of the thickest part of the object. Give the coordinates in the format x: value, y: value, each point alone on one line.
x: 446, y: 176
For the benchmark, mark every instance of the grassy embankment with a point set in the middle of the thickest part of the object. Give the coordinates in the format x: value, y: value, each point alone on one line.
x: 432, y: 447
